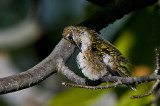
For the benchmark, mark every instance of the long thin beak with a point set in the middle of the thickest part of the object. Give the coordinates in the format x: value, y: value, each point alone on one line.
x: 78, y: 47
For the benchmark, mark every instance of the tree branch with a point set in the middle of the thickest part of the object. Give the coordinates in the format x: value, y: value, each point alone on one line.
x: 157, y: 61
x: 93, y: 87
x: 113, y: 10
x: 64, y: 49
x: 129, y: 80
x: 39, y: 72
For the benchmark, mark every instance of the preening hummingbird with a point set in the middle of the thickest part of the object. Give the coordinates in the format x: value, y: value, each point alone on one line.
x: 97, y: 57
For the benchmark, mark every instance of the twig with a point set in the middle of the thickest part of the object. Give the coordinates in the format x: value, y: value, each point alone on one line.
x: 92, y: 87
x: 149, y: 93
x: 155, y: 73
x: 128, y: 80
x: 157, y: 61
x: 157, y: 94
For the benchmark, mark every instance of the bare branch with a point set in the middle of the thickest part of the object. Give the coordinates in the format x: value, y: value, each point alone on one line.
x: 92, y: 87
x: 127, y: 80
x: 39, y: 72
x: 157, y: 61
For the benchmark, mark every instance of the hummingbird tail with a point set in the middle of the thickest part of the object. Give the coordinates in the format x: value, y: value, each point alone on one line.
x: 132, y: 86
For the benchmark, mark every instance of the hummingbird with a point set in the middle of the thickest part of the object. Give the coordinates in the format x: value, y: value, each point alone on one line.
x: 97, y: 57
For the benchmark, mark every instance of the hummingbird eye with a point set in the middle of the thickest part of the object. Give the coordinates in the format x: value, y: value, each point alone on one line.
x: 70, y: 37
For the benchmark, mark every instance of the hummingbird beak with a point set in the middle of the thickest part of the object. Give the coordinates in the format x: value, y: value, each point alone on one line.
x: 78, y: 47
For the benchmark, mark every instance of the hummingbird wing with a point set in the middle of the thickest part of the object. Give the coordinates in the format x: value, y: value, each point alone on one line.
x: 116, y: 60
x: 110, y: 55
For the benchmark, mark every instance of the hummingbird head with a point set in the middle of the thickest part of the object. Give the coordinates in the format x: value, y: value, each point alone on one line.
x: 74, y: 34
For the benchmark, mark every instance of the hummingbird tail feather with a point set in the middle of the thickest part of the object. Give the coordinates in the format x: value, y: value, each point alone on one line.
x: 131, y: 85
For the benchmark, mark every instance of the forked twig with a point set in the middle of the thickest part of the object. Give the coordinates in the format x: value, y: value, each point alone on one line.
x: 149, y: 93
x: 157, y: 82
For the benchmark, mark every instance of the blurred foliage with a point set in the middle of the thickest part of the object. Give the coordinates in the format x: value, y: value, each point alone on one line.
x: 76, y: 97
x: 143, y: 26
x: 125, y: 100
x: 12, y: 11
